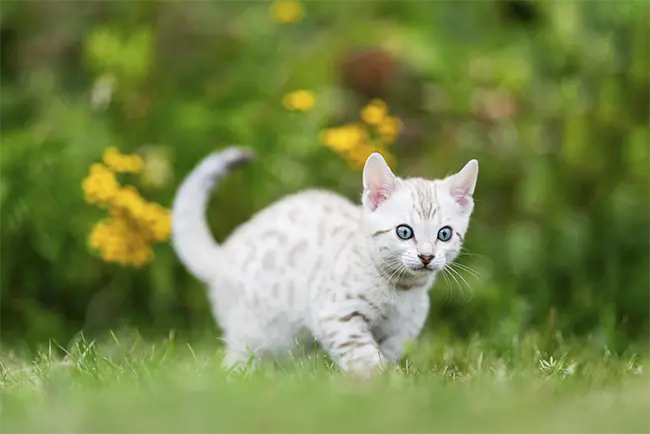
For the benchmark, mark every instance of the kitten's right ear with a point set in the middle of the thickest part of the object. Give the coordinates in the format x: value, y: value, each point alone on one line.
x: 462, y: 184
x: 378, y: 181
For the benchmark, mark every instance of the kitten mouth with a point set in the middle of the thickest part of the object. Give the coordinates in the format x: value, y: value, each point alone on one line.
x: 431, y: 268
x: 422, y: 269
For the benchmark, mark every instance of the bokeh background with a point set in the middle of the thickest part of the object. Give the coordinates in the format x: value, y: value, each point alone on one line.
x: 551, y: 97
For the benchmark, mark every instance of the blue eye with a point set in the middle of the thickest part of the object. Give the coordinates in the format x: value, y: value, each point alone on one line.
x: 444, y: 234
x: 404, y: 232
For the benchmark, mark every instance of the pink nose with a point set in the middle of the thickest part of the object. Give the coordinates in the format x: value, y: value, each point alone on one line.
x: 425, y: 259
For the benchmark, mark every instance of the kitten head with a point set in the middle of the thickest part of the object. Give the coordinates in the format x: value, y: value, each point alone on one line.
x: 416, y: 225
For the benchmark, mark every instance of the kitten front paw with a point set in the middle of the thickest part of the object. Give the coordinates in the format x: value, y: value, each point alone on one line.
x: 367, y: 365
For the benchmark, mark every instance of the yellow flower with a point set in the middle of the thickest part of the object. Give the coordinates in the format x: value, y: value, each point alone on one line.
x: 100, y: 186
x: 344, y: 137
x: 301, y: 100
x: 388, y: 129
x: 327, y: 136
x: 122, y: 163
x: 374, y: 112
x: 125, y: 237
x: 132, y: 164
x: 96, y: 168
x: 355, y: 133
x: 129, y: 200
x: 111, y: 156
x: 338, y: 140
x: 108, y: 238
x: 158, y: 221
x: 117, y: 241
x: 99, y: 235
x: 113, y: 252
x: 118, y: 213
x: 140, y: 253
x: 357, y: 157
x: 288, y: 11
x: 354, y: 141
x: 141, y: 257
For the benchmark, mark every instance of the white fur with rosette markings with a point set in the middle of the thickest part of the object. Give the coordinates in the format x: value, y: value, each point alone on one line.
x: 316, y: 265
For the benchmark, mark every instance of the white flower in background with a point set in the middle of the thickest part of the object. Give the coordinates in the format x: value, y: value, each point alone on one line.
x: 570, y: 370
x: 157, y: 171
x: 102, y: 92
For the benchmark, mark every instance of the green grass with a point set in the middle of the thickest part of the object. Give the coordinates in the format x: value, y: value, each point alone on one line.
x: 127, y: 385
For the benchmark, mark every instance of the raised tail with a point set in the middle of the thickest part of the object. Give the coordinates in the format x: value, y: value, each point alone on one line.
x: 191, y: 237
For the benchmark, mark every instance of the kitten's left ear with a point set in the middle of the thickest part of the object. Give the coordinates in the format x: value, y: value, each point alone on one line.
x: 462, y: 184
x: 378, y: 181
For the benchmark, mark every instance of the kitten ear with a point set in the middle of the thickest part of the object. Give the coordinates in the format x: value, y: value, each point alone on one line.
x: 462, y: 184
x: 378, y: 181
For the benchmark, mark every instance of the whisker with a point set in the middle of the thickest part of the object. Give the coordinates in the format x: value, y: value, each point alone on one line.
x: 391, y: 267
x: 465, y: 281
x: 455, y: 280
x: 386, y: 270
x: 403, y: 271
x: 444, y: 274
x: 465, y: 252
x: 468, y: 269
x: 400, y: 270
x: 397, y: 270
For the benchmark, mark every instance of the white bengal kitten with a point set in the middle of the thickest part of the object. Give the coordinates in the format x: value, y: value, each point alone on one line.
x: 316, y: 266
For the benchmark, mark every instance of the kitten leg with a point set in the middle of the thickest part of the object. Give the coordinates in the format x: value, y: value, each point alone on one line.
x: 241, y: 353
x: 238, y: 360
x: 345, y: 335
x: 401, y: 330
x: 393, y: 346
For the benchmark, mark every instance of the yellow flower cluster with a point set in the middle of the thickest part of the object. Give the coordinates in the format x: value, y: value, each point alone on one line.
x: 375, y: 115
x: 125, y: 237
x: 356, y: 141
x: 300, y: 100
x: 287, y: 11
x: 122, y: 163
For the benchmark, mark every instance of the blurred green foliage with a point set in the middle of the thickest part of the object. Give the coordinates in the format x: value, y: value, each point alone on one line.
x: 551, y: 97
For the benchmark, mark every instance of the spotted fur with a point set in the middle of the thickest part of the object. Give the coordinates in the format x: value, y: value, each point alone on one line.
x: 314, y: 265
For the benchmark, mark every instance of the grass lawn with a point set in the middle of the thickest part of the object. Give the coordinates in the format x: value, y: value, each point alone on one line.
x: 127, y: 385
